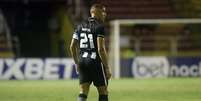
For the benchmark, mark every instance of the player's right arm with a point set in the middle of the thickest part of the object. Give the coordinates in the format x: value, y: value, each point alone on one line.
x: 101, y: 49
x: 103, y: 55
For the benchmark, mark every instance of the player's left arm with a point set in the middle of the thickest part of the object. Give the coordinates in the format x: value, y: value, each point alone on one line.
x: 74, y: 49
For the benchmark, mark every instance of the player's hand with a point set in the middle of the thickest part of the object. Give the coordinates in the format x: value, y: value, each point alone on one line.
x: 108, y: 73
x: 77, y: 68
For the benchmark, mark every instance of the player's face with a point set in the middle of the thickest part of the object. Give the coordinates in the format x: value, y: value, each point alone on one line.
x: 102, y: 14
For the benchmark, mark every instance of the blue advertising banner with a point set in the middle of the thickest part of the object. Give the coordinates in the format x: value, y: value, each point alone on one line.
x: 185, y: 66
x: 64, y: 68
x: 146, y: 67
x: 36, y: 68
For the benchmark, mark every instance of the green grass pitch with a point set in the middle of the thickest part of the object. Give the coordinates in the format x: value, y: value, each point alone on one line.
x: 169, y: 89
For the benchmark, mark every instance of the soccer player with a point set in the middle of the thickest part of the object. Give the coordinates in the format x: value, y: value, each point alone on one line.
x: 89, y: 54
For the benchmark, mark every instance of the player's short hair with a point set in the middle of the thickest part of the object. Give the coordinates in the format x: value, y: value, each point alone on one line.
x: 96, y: 6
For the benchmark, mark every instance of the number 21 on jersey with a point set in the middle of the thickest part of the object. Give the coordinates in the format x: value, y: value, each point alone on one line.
x: 85, y: 39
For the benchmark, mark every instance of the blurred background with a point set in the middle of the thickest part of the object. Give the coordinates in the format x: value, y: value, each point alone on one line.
x: 155, y: 39
x: 43, y: 29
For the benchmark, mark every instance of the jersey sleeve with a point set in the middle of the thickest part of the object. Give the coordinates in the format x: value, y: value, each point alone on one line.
x: 100, y: 31
x: 76, y: 33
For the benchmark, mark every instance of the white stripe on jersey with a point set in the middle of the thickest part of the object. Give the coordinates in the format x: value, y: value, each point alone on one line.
x: 75, y: 36
x: 105, y: 80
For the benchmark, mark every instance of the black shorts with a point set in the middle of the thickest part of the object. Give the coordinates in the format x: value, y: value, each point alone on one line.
x: 92, y: 71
